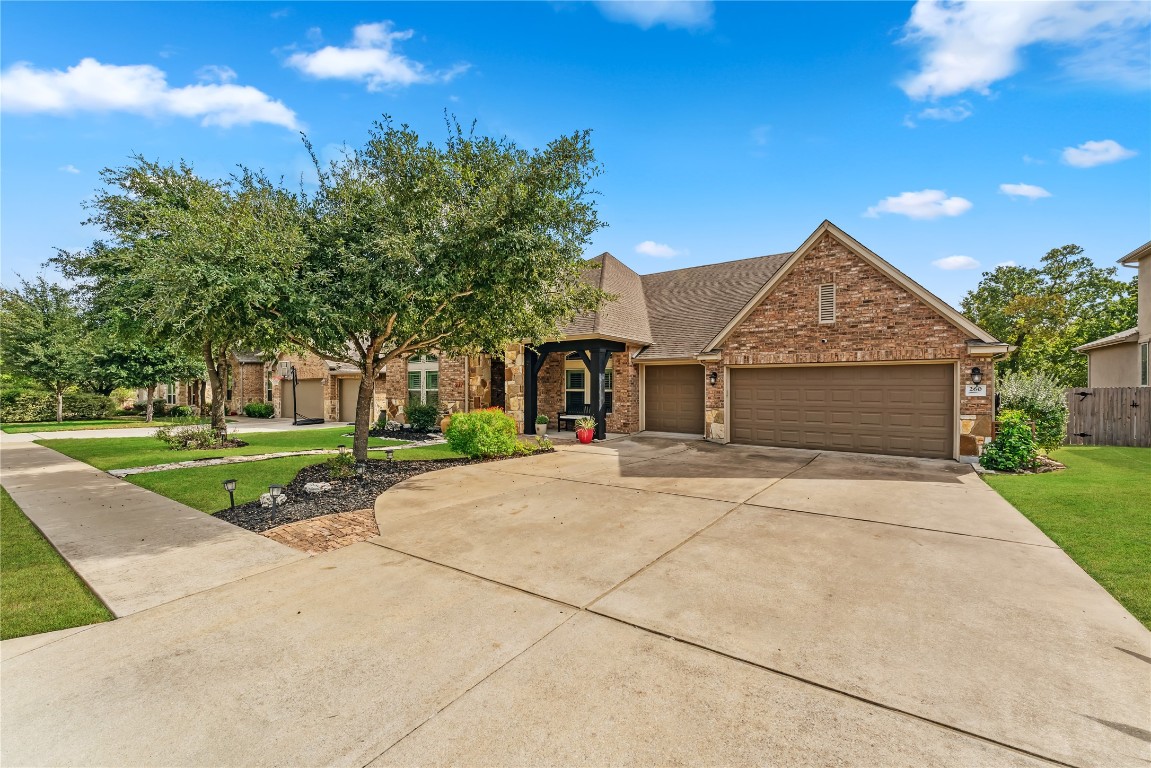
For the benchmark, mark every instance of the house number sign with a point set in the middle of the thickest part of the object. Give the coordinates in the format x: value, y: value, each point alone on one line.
x: 975, y: 390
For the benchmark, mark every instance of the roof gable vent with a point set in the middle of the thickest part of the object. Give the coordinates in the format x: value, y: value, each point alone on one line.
x: 827, y: 303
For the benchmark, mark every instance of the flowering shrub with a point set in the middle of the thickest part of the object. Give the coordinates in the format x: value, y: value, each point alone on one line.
x: 1041, y: 398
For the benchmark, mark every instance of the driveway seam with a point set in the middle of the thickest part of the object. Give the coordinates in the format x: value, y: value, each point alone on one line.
x: 590, y: 609
x: 904, y: 525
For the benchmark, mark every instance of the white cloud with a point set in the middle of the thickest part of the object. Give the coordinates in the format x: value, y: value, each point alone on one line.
x: 139, y: 89
x: 1092, y: 153
x: 953, y: 114
x: 660, y: 250
x: 1007, y: 263
x: 925, y: 204
x: 68, y: 168
x: 1030, y: 191
x: 673, y: 14
x: 956, y: 262
x: 371, y: 57
x: 216, y: 73
x: 971, y: 45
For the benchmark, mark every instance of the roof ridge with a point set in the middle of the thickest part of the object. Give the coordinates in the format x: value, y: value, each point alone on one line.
x: 718, y: 263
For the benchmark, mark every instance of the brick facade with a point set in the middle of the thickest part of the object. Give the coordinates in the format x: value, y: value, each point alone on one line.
x: 624, y: 416
x: 876, y: 320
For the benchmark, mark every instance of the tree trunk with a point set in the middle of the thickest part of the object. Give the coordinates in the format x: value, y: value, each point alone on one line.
x: 60, y: 408
x: 363, y: 416
x: 150, y: 408
x: 215, y: 378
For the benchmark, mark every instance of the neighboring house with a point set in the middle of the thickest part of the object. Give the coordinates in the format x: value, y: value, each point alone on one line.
x: 249, y: 381
x: 1121, y: 359
x: 827, y: 347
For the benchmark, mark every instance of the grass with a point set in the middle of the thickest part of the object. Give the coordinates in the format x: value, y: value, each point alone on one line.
x: 202, y: 487
x: 1096, y: 510
x: 120, y: 422
x: 120, y: 452
x: 39, y: 592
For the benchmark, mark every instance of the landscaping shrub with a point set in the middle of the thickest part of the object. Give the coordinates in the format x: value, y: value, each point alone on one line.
x: 29, y: 405
x: 1041, y: 398
x: 159, y: 407
x: 484, y: 434
x: 1014, y: 446
x: 259, y: 410
x: 181, y: 411
x: 341, y: 465
x: 190, y: 437
x: 423, y: 417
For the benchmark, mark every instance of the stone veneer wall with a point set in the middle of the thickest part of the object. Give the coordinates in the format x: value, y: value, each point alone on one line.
x: 514, y: 384
x: 876, y: 320
x: 713, y: 420
x: 479, y: 382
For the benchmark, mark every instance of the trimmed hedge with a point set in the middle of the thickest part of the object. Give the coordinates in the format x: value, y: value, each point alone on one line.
x: 26, y: 406
x: 483, y: 434
x: 259, y: 410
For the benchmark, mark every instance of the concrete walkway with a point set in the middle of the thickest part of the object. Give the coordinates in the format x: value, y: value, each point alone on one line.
x: 134, y: 548
x: 640, y: 601
x: 237, y: 424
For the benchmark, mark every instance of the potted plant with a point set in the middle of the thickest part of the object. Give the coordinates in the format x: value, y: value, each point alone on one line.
x: 585, y: 429
x: 541, y: 425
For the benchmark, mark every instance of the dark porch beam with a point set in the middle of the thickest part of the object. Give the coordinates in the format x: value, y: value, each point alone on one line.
x: 579, y: 345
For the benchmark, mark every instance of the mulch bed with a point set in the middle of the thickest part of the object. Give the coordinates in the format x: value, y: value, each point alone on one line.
x: 345, y: 495
x: 404, y: 434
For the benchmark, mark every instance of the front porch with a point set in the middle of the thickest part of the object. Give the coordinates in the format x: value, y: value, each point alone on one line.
x: 592, y: 396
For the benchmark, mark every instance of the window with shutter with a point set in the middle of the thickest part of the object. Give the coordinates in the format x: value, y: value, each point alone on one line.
x: 827, y: 303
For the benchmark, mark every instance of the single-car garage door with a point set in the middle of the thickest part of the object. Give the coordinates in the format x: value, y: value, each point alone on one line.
x: 673, y: 398
x: 903, y: 410
x: 349, y: 398
x: 311, y: 396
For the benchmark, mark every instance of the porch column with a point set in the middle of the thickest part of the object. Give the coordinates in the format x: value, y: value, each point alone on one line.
x: 531, y: 383
x: 597, y: 369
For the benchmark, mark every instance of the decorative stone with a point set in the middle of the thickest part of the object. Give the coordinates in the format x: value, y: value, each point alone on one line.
x: 317, y: 487
x: 266, y: 500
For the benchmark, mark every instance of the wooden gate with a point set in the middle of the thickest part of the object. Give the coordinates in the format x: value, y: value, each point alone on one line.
x: 1109, y: 416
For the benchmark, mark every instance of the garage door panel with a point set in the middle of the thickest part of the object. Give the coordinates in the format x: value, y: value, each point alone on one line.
x: 905, y: 410
x: 673, y: 399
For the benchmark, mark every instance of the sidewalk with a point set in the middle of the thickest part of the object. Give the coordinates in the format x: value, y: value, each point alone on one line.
x: 236, y: 424
x: 134, y: 548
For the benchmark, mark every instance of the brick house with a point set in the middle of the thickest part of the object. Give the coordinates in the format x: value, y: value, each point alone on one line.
x: 826, y: 347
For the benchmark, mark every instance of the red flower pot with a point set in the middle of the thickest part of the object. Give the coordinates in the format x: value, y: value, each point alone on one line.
x: 585, y: 435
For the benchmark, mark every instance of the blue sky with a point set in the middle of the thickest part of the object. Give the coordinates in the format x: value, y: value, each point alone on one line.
x: 947, y: 137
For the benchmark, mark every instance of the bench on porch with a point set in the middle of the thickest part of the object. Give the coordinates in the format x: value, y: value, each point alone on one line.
x: 572, y: 414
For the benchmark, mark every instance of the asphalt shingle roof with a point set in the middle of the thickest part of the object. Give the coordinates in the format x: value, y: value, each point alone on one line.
x: 1131, y: 334
x: 675, y: 314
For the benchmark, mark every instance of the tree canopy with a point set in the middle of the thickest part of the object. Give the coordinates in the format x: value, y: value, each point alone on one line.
x: 466, y: 246
x: 1047, y: 311
x: 42, y: 336
x: 197, y: 263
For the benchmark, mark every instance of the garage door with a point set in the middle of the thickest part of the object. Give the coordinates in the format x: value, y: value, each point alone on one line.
x: 903, y: 410
x: 349, y: 394
x: 311, y: 395
x: 673, y: 398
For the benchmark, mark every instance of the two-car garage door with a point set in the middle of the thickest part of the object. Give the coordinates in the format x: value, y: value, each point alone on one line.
x: 904, y: 410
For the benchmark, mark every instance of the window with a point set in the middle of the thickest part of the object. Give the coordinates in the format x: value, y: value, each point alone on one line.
x: 423, y: 379
x: 827, y: 303
x: 228, y: 383
x: 268, y: 390
x: 1144, y: 374
x: 577, y: 385
x: 170, y: 393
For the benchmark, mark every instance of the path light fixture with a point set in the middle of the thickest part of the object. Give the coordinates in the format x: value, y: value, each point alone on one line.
x: 976, y: 376
x: 276, y: 492
x: 712, y: 378
x: 343, y: 448
x: 230, y: 487
x: 390, y: 454
x: 361, y: 468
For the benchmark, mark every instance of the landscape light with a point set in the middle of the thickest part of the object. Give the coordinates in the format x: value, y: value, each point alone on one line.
x: 230, y: 487
x: 361, y: 468
x: 276, y: 491
x: 390, y: 454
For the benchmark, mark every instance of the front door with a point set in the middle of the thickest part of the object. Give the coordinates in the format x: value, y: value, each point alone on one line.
x: 497, y: 383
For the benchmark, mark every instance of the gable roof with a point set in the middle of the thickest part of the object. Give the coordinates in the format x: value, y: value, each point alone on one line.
x: 1131, y: 334
x: 1132, y: 259
x: 687, y: 307
x: 917, y: 290
x: 625, y: 317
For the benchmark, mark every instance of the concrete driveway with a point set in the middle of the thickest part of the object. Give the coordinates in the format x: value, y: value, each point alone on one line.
x: 635, y: 602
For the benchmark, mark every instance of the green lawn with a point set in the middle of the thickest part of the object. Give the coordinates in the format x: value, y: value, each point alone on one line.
x: 121, y: 452
x: 203, y: 489
x: 120, y: 422
x: 1097, y: 511
x: 39, y: 592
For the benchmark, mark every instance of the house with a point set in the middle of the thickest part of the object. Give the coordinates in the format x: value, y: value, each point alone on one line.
x: 826, y: 347
x: 1121, y: 359
x: 248, y: 381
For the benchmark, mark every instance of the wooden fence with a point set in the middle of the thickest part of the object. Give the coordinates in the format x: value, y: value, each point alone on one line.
x: 1109, y: 416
